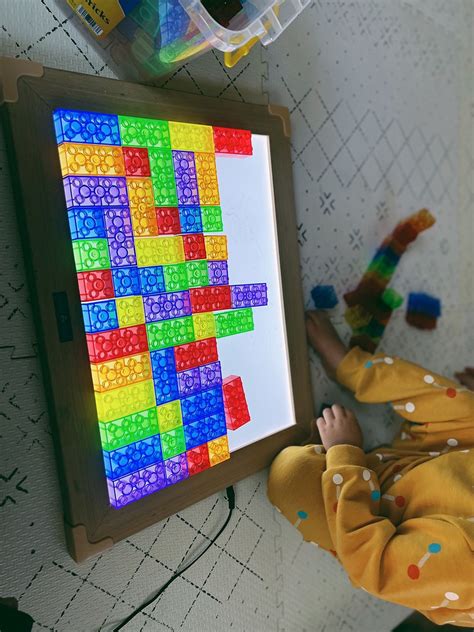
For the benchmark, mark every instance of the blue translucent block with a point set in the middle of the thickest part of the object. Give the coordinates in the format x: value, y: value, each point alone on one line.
x: 126, y: 281
x: 132, y: 457
x: 86, y: 223
x: 216, y: 426
x: 164, y: 375
x: 324, y: 296
x: 210, y: 375
x: 385, y: 252
x: 86, y: 127
x: 196, y: 433
x: 201, y: 405
x: 249, y: 295
x: 152, y: 280
x: 99, y: 316
x: 424, y: 304
x: 190, y: 219
x: 95, y: 191
x: 189, y: 382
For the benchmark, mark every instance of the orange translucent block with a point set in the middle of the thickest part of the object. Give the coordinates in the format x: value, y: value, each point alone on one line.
x: 142, y: 207
x: 191, y: 137
x: 121, y: 372
x: 84, y: 159
x: 421, y: 220
x: 218, y: 450
x: 207, y: 179
x: 125, y: 400
x: 216, y: 247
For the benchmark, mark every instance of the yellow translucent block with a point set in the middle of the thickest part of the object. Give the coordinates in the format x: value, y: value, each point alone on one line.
x: 357, y: 316
x: 125, y: 400
x: 84, y: 159
x: 169, y: 416
x: 218, y: 450
x: 130, y: 311
x: 157, y: 251
x: 204, y: 326
x: 191, y: 137
x: 207, y: 179
x: 140, y: 191
x: 120, y: 372
x: 216, y: 247
x: 142, y: 207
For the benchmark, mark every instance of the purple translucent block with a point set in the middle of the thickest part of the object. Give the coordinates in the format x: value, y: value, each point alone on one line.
x: 176, y: 469
x: 118, y: 227
x: 167, y: 305
x: 189, y: 381
x: 251, y: 295
x: 186, y: 180
x: 134, y: 486
x: 218, y: 272
x: 95, y: 191
x: 210, y: 375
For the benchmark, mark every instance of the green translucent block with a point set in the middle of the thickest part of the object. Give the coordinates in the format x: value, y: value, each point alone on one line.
x: 173, y: 443
x: 162, y: 173
x: 382, y: 267
x: 392, y: 299
x: 212, y: 219
x: 144, y: 132
x: 91, y: 254
x: 374, y: 330
x: 197, y: 273
x: 237, y: 321
x: 164, y: 190
x: 175, y: 277
x: 168, y: 333
x: 129, y: 429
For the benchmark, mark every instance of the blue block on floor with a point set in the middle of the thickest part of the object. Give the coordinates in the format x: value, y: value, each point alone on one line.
x: 324, y: 296
x: 421, y: 303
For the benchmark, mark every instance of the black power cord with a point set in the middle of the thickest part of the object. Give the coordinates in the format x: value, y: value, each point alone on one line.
x: 231, y: 500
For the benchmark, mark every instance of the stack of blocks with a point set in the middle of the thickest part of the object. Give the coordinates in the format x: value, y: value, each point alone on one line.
x: 371, y: 304
x: 423, y: 310
x: 144, y: 213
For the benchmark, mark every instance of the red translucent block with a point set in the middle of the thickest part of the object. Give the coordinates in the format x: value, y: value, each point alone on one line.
x: 167, y: 218
x: 405, y: 233
x: 194, y: 247
x: 198, y: 459
x: 95, y: 285
x: 368, y: 290
x: 194, y: 354
x: 235, y: 403
x: 421, y: 321
x: 210, y: 298
x: 117, y: 343
x: 136, y: 161
x: 232, y: 141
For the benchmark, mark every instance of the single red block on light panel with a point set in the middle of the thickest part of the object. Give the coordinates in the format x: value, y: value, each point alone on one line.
x: 116, y: 343
x: 95, y: 285
x: 136, y: 161
x: 210, y: 298
x: 198, y: 459
x: 235, y: 403
x: 195, y: 354
x: 167, y: 218
x: 232, y: 141
x: 194, y: 246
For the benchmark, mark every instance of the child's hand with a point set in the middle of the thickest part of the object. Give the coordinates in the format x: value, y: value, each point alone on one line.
x: 339, y: 426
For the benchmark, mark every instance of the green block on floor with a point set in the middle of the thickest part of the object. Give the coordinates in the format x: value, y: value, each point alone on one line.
x: 212, y: 219
x: 168, y: 333
x: 234, y: 322
x: 197, y: 273
x: 176, y: 277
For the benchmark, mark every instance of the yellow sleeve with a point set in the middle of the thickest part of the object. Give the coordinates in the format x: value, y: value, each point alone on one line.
x: 414, y: 564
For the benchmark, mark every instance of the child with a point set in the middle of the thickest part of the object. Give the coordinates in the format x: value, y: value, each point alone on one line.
x: 400, y: 519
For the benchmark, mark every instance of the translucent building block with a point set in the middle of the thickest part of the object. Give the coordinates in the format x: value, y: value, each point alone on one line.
x: 198, y: 459
x: 95, y: 191
x: 126, y: 281
x: 167, y: 333
x: 175, y: 277
x: 357, y: 316
x: 421, y: 220
x: 207, y: 178
x: 130, y: 311
x: 324, y: 296
x: 129, y: 429
x: 99, y: 316
x: 152, y: 251
x: 424, y: 304
x: 167, y: 305
x: 203, y: 404
x: 211, y: 217
x: 191, y: 137
x: 392, y: 299
x: 251, y: 295
x: 194, y: 354
x: 218, y: 272
x: 117, y: 343
x: 83, y: 159
x: 169, y: 416
x: 162, y: 173
x: 235, y: 322
x: 194, y: 247
x: 210, y: 375
x: 142, y: 207
x: 120, y: 372
x: 196, y: 433
x: 167, y: 218
x: 190, y: 219
x: 91, y: 254
x: 164, y: 375
x: 185, y: 177
x: 120, y: 237
x: 403, y: 235
x: 216, y: 247
x: 382, y: 267
x: 86, y: 223
x: 86, y: 127
x: 132, y: 487
x: 144, y: 132
x: 211, y: 298
x: 421, y: 321
x: 232, y: 141
x: 196, y: 273
x: 173, y: 442
x: 189, y: 382
x: 176, y: 469
x: 235, y: 403
x: 204, y: 326
x: 95, y: 285
x: 132, y: 457
x: 136, y: 161
x: 125, y: 400
x: 218, y: 450
x: 216, y: 425
x: 152, y: 280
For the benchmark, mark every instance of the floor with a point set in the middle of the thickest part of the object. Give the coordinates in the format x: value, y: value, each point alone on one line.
x: 380, y: 96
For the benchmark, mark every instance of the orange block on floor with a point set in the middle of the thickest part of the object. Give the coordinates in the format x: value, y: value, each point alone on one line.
x: 235, y: 404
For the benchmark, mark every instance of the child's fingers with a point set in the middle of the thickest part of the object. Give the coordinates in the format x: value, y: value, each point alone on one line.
x: 328, y: 415
x: 338, y: 410
x: 321, y: 423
